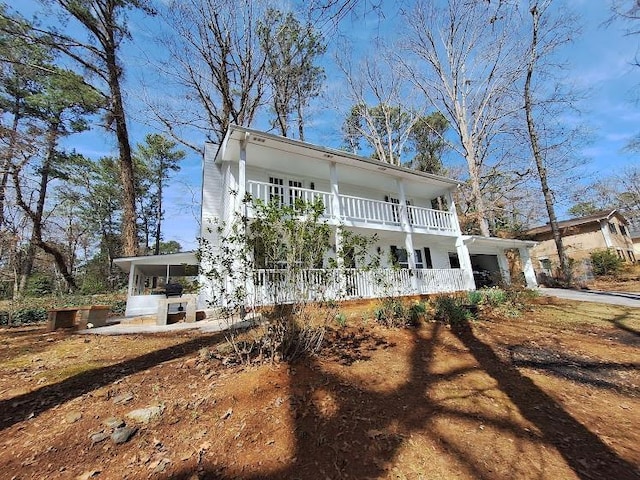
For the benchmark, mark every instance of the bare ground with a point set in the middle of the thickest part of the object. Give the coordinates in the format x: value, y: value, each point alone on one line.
x: 552, y: 394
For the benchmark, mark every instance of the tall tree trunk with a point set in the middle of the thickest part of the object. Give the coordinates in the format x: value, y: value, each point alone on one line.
x: 127, y: 175
x: 537, y: 154
x: 6, y: 159
x: 36, y: 216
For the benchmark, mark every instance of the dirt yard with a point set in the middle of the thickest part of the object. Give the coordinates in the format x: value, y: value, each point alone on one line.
x: 628, y: 280
x: 553, y: 394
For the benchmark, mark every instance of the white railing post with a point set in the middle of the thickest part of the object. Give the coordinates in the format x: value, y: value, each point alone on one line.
x: 335, y: 192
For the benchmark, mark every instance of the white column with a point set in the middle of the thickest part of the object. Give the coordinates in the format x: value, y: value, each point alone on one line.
x: 452, y: 209
x: 465, y: 263
x: 407, y: 228
x: 406, y: 225
x: 527, y: 267
x: 242, y: 179
x: 132, y: 276
x: 338, y: 240
x: 335, y: 192
x: 503, y: 264
x: 604, y: 228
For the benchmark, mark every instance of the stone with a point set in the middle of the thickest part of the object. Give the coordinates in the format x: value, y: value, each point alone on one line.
x: 145, y: 415
x: 98, y: 437
x: 123, y: 398
x: 113, y: 422
x: 123, y: 434
x: 72, y: 417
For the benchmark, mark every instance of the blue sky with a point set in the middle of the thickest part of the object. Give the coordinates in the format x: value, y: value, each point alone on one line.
x: 599, y: 61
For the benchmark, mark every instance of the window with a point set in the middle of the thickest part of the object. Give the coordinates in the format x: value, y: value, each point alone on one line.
x: 294, y: 194
x: 418, y: 257
x: 399, y: 257
x: 427, y: 258
x: 623, y: 230
x: 545, y: 265
x: 394, y: 208
x: 439, y: 203
x: 621, y: 254
x: 276, y: 190
x: 612, y: 227
x: 632, y: 257
x: 454, y: 261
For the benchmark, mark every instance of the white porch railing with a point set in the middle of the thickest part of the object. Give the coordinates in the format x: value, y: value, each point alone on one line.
x: 370, y: 211
x: 281, y: 286
x: 266, y: 192
x: 430, y: 218
x: 365, y: 210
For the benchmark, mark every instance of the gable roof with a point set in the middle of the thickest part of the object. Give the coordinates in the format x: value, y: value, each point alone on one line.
x: 574, y: 222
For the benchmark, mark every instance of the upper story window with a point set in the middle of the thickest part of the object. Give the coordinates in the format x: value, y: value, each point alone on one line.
x: 394, y: 207
x: 623, y: 230
x: 612, y: 227
x: 276, y: 190
x: 294, y: 191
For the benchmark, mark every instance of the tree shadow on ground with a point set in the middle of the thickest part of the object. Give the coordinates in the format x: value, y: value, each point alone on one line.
x: 363, y: 436
x: 618, y: 321
x: 583, y: 451
x: 606, y: 375
x: 32, y: 404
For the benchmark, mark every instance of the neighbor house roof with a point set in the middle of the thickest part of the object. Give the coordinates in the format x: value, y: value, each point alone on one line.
x: 574, y: 222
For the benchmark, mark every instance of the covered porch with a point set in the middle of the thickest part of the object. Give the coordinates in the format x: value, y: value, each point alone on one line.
x: 149, y: 277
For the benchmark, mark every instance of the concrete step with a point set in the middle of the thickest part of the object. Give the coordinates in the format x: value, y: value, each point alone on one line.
x: 139, y: 320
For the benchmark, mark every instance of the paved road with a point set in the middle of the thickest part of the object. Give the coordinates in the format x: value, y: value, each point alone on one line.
x: 625, y: 299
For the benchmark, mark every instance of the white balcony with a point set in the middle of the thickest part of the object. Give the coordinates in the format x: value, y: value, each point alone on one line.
x: 358, y: 211
x: 281, y: 286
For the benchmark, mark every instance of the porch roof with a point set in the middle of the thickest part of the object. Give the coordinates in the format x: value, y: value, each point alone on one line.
x: 156, y: 265
x: 495, y: 242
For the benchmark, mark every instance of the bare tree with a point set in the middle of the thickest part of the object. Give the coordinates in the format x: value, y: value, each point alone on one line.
x: 215, y: 65
x: 379, y: 112
x: 548, y: 33
x: 466, y: 60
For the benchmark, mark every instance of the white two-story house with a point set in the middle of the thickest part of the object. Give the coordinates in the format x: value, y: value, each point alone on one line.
x: 412, y: 215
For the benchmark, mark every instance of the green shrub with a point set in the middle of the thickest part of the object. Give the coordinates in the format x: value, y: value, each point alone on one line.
x: 119, y: 307
x: 38, y: 285
x: 26, y: 316
x: 605, y: 262
x: 452, y: 310
x: 417, y: 311
x: 394, y: 313
x: 475, y: 297
x: 341, y: 319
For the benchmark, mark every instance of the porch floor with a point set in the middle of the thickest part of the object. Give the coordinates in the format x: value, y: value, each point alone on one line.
x: 122, y: 328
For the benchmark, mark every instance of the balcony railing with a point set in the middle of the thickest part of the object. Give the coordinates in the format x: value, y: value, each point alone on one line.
x: 268, y: 192
x: 356, y: 209
x: 278, y: 286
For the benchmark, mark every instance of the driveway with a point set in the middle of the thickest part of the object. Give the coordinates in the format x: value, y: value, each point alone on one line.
x: 624, y: 299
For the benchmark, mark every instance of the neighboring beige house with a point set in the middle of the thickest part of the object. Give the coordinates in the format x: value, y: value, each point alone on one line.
x: 606, y: 229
